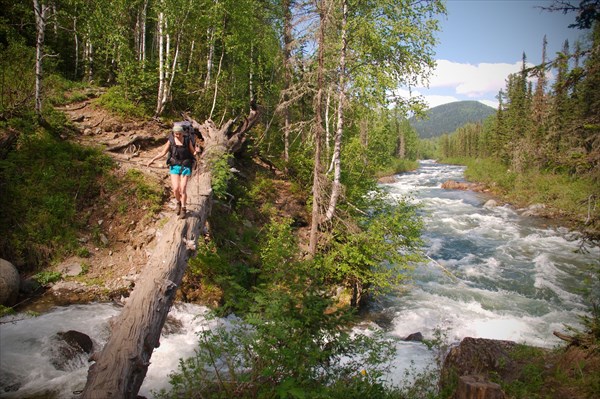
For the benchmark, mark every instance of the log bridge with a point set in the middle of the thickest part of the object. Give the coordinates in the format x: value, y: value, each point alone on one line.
x: 120, y: 367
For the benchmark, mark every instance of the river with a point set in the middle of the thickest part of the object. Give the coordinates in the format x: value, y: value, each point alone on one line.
x: 491, y: 273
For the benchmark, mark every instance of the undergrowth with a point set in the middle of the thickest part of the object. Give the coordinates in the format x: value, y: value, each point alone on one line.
x: 45, y: 182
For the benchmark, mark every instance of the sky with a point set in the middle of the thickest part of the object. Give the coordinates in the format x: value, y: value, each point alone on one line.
x: 483, y: 41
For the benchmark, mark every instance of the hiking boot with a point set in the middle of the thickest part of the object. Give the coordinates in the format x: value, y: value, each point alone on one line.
x: 178, y: 209
x: 182, y: 215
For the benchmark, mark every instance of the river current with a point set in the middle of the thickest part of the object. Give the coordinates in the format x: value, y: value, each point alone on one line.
x: 490, y: 273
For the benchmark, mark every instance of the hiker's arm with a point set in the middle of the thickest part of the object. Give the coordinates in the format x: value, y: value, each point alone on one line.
x: 191, y: 148
x: 164, y: 151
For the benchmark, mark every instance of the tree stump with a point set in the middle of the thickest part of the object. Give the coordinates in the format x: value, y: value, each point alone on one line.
x: 477, y: 387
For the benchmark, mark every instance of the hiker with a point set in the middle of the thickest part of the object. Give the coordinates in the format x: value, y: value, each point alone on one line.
x: 180, y: 161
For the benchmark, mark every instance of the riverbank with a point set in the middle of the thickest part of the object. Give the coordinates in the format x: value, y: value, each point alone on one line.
x: 570, y: 201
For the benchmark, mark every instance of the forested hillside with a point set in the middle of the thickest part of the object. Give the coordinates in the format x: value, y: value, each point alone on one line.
x: 446, y: 118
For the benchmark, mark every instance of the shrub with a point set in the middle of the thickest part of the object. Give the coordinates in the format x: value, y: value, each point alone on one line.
x: 117, y: 101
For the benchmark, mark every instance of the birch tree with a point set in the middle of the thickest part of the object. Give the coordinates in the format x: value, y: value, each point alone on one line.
x: 170, y: 23
x: 383, y: 45
x: 41, y: 12
x: 337, y: 148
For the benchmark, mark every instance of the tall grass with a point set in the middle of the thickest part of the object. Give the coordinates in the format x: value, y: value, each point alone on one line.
x: 571, y: 197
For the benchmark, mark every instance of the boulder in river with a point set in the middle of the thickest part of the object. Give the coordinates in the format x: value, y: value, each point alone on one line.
x: 462, y: 185
x: 70, y: 349
x: 417, y: 337
x: 9, y: 283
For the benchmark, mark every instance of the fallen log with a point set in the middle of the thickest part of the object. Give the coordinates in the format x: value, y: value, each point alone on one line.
x: 120, y: 368
x: 134, y: 140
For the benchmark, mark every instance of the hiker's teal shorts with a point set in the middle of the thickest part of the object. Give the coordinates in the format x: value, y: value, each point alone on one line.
x: 180, y: 170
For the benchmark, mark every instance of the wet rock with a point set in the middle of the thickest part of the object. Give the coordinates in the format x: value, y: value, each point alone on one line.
x: 69, y: 350
x: 490, y: 204
x: 416, y: 337
x: 387, y: 180
x: 534, y: 210
x: 9, y: 283
x: 78, y: 340
x: 456, y: 185
x: 478, y: 356
x: 172, y: 326
x: 29, y: 286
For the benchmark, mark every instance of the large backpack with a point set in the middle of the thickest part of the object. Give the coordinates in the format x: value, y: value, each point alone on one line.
x: 188, y: 135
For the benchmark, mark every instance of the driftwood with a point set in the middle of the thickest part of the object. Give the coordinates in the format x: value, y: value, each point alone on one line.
x: 120, y: 368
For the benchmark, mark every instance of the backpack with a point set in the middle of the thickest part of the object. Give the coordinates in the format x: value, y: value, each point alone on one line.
x: 188, y: 135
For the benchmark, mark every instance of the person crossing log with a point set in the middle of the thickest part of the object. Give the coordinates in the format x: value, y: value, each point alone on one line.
x: 120, y: 367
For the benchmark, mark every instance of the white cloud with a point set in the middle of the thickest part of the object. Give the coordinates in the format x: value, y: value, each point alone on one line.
x: 434, y: 100
x: 472, y: 81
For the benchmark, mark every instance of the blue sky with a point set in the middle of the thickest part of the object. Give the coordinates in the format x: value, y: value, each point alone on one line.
x: 482, y: 42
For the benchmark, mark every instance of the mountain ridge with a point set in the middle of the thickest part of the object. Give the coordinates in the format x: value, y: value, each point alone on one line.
x: 446, y: 118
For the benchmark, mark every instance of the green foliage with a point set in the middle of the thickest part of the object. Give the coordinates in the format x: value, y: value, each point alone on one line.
x: 221, y: 175
x: 288, y: 345
x: 47, y: 277
x: 139, y: 192
x: 57, y: 90
x: 6, y: 311
x: 572, y: 195
x: 118, y: 100
x: 398, y: 166
x: 45, y: 182
x: 16, y: 79
x: 381, y: 252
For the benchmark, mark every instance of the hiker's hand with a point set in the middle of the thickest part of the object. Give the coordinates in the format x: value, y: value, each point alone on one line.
x: 150, y: 163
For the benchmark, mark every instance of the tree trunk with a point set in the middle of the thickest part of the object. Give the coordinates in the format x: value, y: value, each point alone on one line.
x: 121, y: 366
x: 337, y: 148
x: 40, y: 11
x: 161, y: 62
x: 288, y: 71
x: 318, y: 129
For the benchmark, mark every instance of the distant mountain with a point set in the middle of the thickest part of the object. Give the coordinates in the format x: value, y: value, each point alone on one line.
x: 446, y: 118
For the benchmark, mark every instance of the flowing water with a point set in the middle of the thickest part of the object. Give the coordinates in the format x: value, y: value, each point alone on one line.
x: 491, y: 274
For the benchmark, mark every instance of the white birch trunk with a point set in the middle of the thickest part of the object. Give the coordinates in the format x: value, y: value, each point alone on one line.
x: 214, y: 104
x: 40, y: 11
x: 142, y: 56
x: 209, y: 57
x: 337, y: 148
x: 76, y: 40
x: 161, y: 62
x: 192, y: 48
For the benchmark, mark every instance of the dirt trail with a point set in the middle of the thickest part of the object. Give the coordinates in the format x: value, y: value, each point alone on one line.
x: 126, y: 236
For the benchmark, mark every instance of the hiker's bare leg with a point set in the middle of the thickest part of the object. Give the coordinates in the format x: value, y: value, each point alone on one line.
x: 176, y: 184
x: 183, y: 189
